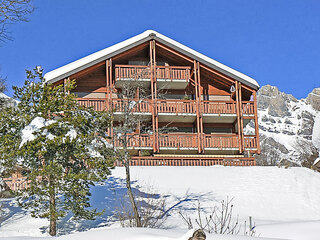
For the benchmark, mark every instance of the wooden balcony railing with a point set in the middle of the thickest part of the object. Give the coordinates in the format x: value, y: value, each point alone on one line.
x: 170, y: 106
x: 218, y: 107
x: 186, y: 140
x: 97, y: 103
x: 247, y: 107
x: 173, y: 73
x: 176, y: 106
x: 136, y: 140
x: 16, y: 183
x: 250, y: 141
x: 142, y: 106
x: 178, y: 140
x: 220, y: 141
x: 132, y: 72
x: 144, y: 72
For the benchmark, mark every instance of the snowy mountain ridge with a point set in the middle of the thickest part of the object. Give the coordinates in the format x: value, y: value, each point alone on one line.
x: 7, y: 101
x: 289, y: 128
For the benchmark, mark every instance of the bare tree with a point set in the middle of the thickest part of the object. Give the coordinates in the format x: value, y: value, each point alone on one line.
x: 133, y: 96
x: 2, y: 89
x: 12, y: 11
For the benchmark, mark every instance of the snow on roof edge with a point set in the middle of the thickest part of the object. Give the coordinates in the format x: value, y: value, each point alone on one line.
x: 113, y: 50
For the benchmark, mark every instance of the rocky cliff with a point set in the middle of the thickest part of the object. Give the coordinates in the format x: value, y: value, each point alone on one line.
x: 6, y: 101
x: 289, y: 127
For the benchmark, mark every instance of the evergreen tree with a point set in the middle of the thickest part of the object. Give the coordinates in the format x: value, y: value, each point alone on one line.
x: 60, y: 146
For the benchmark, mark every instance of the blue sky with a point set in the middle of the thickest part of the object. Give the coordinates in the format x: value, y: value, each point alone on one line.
x: 276, y: 42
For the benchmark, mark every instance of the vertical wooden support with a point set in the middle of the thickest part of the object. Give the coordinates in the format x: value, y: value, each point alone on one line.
x: 107, y: 85
x: 152, y: 97
x: 200, y: 112
x: 241, y: 117
x: 197, y: 88
x: 155, y: 93
x: 197, y: 99
x: 256, y: 125
x: 238, y: 116
x: 107, y: 93
x: 110, y: 87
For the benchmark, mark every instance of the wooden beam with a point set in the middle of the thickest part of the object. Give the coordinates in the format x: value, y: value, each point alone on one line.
x: 256, y: 125
x: 152, y: 97
x: 132, y: 50
x: 238, y: 117
x: 87, y: 70
x: 241, y: 115
x: 174, y: 52
x: 107, y: 85
x: 200, y: 112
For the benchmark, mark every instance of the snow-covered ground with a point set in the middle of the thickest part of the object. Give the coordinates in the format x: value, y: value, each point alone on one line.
x: 284, y: 203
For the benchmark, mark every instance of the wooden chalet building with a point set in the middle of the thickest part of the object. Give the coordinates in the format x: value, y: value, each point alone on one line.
x: 206, y: 102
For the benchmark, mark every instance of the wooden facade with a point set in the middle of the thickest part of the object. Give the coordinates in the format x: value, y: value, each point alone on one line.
x: 208, y: 108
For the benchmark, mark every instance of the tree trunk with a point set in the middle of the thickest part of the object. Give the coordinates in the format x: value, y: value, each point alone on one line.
x: 53, y: 220
x: 130, y: 194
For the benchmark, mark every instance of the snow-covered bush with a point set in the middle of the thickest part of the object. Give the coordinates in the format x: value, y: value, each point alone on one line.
x: 219, y: 220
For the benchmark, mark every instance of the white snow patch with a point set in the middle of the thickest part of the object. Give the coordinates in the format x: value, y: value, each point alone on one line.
x: 35, y: 125
x: 72, y: 134
x: 316, y: 132
x: 284, y: 203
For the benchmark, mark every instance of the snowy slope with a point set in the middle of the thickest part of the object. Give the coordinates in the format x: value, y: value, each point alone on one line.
x: 137, y: 234
x: 279, y: 200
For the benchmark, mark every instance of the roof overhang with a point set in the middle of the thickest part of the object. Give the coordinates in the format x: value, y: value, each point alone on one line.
x: 102, y: 55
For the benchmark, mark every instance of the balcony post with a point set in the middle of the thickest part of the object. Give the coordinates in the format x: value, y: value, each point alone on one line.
x: 195, y: 69
x: 200, y: 112
x: 155, y: 93
x: 256, y: 125
x: 241, y: 116
x: 107, y: 85
x: 238, y: 116
x: 153, y: 96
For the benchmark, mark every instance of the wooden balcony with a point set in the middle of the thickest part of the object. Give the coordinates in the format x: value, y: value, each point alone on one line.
x: 177, y: 106
x: 248, y: 107
x: 219, y: 111
x: 250, y: 142
x: 99, y: 104
x: 178, y: 141
x: 220, y: 142
x: 137, y: 141
x: 186, y: 141
x: 168, y: 77
x: 218, y: 107
x: 138, y: 106
x: 172, y: 109
x: 125, y: 73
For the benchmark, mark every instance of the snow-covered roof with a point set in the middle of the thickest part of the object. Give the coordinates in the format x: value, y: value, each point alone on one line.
x: 106, y: 53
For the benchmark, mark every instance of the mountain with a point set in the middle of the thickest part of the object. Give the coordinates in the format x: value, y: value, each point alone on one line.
x: 7, y: 101
x: 289, y: 127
